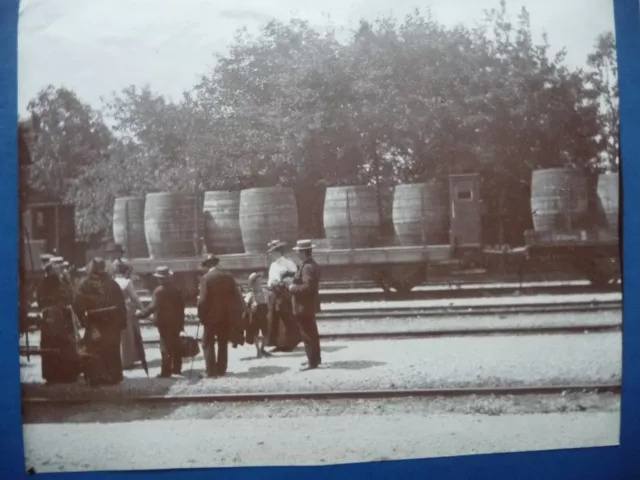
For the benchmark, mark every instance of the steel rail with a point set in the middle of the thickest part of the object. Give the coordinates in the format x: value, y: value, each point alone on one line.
x: 413, y: 334
x: 323, y: 395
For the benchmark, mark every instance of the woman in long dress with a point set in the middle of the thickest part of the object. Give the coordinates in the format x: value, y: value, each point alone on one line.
x: 283, y: 333
x: 131, y: 336
x: 58, y: 335
x: 101, y: 307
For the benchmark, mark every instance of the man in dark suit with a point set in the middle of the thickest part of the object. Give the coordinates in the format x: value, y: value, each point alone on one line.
x: 306, y: 302
x: 168, y: 305
x: 219, y: 302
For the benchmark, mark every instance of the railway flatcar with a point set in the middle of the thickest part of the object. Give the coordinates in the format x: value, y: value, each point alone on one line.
x: 436, y: 231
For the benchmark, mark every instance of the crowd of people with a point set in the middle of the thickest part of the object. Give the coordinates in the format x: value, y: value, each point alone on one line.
x: 91, y: 327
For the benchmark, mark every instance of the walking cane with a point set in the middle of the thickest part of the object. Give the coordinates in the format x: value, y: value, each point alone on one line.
x: 193, y: 358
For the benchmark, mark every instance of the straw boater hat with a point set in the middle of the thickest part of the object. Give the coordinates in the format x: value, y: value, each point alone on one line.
x: 303, y: 245
x: 210, y: 261
x: 58, y: 261
x: 162, y: 272
x: 46, y: 257
x: 254, y: 276
x: 274, y: 245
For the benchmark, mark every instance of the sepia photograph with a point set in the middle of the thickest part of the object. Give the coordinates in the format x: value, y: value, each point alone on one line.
x: 296, y: 233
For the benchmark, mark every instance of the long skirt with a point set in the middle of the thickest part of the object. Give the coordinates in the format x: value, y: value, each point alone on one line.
x: 283, y: 332
x: 57, y: 333
x: 130, y: 350
x: 103, y: 364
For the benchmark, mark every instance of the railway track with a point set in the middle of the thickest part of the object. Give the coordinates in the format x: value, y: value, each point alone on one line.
x: 455, y: 290
x: 150, y: 400
x: 443, y: 291
x: 562, y: 329
x: 388, y: 311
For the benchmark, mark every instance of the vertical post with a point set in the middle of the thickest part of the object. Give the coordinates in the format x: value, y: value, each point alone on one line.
x: 569, y: 208
x: 57, y: 229
x: 196, y: 235
x: 423, y: 227
x: 127, y: 229
x: 350, y: 236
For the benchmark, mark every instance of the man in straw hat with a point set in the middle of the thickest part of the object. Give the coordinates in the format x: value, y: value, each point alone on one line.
x: 168, y: 305
x: 283, y: 333
x: 220, y: 308
x: 306, y: 302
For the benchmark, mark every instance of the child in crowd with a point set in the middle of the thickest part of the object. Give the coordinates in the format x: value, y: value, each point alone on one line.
x: 256, y: 301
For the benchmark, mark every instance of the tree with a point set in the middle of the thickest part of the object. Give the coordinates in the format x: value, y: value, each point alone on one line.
x: 603, y: 79
x: 70, y: 142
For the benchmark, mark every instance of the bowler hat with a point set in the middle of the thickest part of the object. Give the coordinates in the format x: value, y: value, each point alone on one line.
x: 210, y: 261
x: 46, y: 257
x: 162, y: 272
x: 302, y: 245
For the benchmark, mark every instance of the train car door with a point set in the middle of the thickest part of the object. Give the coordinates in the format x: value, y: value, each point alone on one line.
x: 466, y: 210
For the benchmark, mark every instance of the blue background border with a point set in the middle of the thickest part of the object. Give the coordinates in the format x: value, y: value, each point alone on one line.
x: 591, y: 463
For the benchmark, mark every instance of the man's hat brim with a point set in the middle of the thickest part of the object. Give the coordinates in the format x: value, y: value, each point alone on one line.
x: 163, y: 274
x: 276, y: 246
x: 303, y: 248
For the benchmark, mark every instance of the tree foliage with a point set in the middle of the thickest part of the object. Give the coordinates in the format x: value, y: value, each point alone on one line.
x: 399, y: 101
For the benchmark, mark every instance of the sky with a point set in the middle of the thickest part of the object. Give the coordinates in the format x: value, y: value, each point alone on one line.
x: 98, y: 47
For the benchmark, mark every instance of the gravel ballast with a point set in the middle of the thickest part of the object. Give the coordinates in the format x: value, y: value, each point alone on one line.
x: 379, y: 364
x: 305, y: 440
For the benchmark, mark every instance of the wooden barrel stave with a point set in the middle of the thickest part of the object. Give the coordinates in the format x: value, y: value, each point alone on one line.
x: 222, y: 222
x: 609, y: 197
x: 128, y: 226
x: 266, y: 214
x: 421, y: 213
x: 559, y: 200
x: 351, y: 217
x: 171, y: 221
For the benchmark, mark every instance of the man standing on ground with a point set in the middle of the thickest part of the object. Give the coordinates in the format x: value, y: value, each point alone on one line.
x: 306, y: 302
x: 217, y: 308
x: 168, y: 305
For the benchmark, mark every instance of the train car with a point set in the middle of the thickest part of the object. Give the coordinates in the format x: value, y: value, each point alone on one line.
x: 437, y: 232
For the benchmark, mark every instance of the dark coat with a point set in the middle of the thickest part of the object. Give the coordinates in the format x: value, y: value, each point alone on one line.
x: 305, y: 288
x: 101, y: 294
x: 168, y: 305
x: 220, y: 300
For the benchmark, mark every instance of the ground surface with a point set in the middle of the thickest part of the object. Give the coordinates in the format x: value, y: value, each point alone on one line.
x: 303, y: 433
x: 380, y: 364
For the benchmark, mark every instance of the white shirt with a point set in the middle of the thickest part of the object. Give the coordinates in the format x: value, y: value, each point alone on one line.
x: 278, y: 267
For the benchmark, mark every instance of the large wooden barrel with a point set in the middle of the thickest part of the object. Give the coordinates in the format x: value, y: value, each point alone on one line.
x: 128, y: 226
x: 170, y: 224
x: 351, y: 217
x: 421, y: 213
x: 267, y: 214
x: 222, y: 222
x: 609, y: 197
x: 559, y: 199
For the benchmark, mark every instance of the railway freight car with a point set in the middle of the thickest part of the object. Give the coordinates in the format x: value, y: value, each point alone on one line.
x: 436, y: 232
